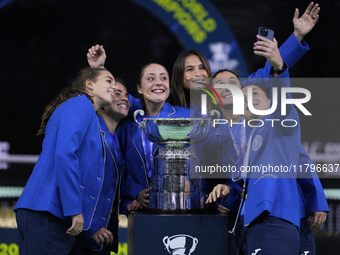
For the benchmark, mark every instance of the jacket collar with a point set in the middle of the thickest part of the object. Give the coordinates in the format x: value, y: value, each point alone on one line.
x: 224, y: 146
x: 166, y: 112
x: 105, y: 131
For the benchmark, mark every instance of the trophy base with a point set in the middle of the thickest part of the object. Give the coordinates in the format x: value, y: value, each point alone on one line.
x: 177, y: 201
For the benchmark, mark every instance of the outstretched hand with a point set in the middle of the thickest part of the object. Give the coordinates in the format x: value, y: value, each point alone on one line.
x: 96, y: 56
x: 306, y: 22
x: 219, y: 191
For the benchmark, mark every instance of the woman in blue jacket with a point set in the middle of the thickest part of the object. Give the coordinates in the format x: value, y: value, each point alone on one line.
x: 220, y: 145
x: 138, y: 151
x: 264, y: 194
x: 227, y: 142
x: 104, y: 227
x: 274, y: 202
x: 313, y: 205
x: 61, y: 195
x: 283, y: 147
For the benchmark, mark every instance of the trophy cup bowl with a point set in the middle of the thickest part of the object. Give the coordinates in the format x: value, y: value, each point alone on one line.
x: 175, y: 188
x: 163, y: 130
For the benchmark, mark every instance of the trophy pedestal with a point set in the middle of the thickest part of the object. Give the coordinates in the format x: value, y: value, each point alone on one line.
x: 177, y: 234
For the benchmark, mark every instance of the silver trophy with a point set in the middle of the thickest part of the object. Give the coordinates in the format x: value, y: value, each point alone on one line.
x: 175, y: 185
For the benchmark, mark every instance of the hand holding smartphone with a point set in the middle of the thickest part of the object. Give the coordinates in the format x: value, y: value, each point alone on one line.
x: 266, y: 32
x: 269, y: 50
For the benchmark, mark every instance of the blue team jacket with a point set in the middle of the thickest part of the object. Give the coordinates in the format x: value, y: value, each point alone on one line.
x: 275, y: 193
x: 313, y: 198
x: 68, y: 175
x: 114, y: 169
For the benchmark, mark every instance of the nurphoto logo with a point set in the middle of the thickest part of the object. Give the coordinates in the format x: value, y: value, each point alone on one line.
x: 238, y: 100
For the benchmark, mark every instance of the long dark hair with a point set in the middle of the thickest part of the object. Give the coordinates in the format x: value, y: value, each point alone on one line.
x: 233, y: 71
x: 77, y: 88
x: 179, y: 96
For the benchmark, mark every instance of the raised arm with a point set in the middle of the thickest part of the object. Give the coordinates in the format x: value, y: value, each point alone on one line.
x: 294, y: 47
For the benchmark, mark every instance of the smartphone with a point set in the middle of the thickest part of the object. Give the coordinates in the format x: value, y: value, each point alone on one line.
x: 266, y: 32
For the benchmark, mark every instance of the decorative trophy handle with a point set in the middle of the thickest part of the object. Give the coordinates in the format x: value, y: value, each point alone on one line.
x: 213, y: 112
x: 141, y: 112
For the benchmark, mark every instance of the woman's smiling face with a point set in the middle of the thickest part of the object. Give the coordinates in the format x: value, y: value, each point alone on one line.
x: 260, y: 100
x: 224, y: 93
x: 154, y: 84
x: 120, y: 104
x: 102, y: 89
x: 193, y: 70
